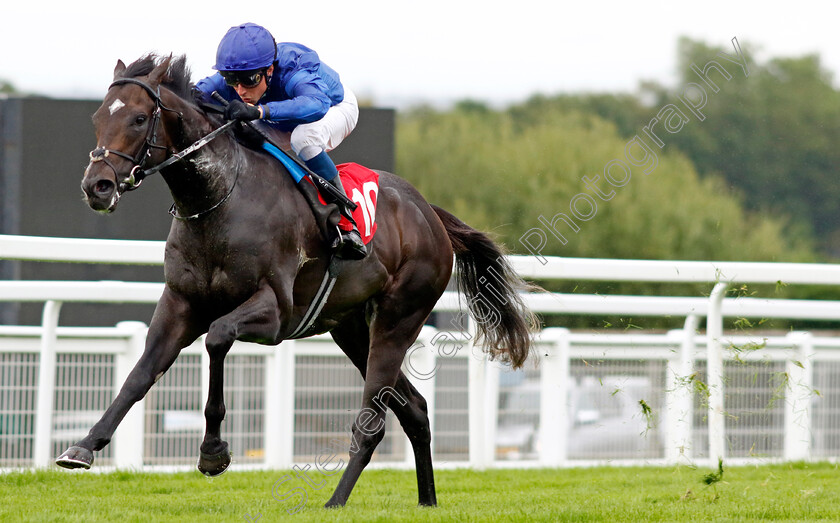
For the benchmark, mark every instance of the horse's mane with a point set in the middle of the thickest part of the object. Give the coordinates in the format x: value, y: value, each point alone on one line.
x: 177, y: 78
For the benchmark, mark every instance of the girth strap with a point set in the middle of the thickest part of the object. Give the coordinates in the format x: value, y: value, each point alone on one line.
x: 320, y: 299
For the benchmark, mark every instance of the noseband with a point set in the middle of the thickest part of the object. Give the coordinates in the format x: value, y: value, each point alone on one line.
x: 138, y: 173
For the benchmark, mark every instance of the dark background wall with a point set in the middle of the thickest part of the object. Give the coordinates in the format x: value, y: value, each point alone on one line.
x: 44, y: 147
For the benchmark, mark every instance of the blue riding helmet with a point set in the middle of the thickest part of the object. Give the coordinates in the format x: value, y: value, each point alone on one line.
x: 244, y: 48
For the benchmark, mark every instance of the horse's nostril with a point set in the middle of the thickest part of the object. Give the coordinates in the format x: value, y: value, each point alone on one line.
x: 103, y: 187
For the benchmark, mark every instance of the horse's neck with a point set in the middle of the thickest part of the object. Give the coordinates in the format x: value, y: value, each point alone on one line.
x: 207, y: 175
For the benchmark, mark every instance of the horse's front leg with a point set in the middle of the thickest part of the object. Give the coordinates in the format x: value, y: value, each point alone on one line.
x: 256, y: 320
x: 172, y: 328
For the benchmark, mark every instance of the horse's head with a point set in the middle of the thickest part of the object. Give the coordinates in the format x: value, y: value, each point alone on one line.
x: 128, y: 133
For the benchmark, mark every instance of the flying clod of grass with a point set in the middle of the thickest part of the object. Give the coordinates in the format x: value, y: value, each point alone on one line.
x: 713, y: 477
x: 650, y: 418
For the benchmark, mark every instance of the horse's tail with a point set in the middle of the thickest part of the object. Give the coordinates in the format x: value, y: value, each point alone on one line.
x: 491, y: 287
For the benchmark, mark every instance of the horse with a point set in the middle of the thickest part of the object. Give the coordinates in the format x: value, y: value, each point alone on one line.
x: 244, y: 258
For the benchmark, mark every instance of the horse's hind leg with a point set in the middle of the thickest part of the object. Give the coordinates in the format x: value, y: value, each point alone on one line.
x: 414, y: 418
x: 258, y: 319
x: 408, y: 405
x: 395, y: 325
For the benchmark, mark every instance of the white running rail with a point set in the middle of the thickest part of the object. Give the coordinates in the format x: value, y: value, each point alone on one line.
x: 679, y: 348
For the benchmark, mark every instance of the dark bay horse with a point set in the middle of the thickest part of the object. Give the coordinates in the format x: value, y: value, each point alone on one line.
x: 247, y: 267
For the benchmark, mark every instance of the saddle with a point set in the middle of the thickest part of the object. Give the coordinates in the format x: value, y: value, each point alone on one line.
x: 333, y: 209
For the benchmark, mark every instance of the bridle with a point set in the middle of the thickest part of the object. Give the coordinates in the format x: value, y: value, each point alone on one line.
x: 138, y: 173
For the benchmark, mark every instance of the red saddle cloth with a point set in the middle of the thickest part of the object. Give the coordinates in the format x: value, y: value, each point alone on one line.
x: 362, y: 186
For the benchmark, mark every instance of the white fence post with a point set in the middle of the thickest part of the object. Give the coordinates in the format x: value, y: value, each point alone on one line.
x: 491, y: 410
x: 679, y: 408
x: 554, y: 398
x: 130, y: 434
x: 476, y: 380
x: 46, y: 385
x: 714, y: 373
x: 483, y: 386
x: 280, y: 406
x: 799, y: 368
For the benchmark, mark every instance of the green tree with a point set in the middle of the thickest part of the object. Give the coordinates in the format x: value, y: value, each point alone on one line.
x: 626, y: 111
x: 500, y: 171
x: 7, y: 88
x: 773, y: 136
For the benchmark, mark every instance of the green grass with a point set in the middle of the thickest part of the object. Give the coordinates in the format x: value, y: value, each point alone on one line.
x: 788, y: 492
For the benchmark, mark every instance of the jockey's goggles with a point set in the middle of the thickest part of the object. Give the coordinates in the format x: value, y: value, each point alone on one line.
x: 246, y: 79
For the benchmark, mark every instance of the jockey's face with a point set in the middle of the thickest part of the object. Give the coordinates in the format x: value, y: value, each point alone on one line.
x: 252, y: 95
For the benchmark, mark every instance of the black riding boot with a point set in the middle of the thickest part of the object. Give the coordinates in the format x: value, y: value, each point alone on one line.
x: 351, y: 246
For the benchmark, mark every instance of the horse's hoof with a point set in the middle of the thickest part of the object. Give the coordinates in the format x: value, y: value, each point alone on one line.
x: 214, y: 464
x: 75, y: 458
x: 333, y: 504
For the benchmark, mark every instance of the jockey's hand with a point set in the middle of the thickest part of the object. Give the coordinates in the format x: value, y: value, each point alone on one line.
x: 241, y: 112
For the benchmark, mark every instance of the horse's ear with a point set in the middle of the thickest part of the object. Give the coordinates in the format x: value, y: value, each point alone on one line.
x: 119, y: 69
x: 159, y: 73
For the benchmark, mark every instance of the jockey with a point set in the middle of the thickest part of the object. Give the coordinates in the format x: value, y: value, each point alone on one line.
x: 286, y: 87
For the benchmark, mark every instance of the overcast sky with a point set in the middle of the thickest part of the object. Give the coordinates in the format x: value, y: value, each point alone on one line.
x: 402, y: 52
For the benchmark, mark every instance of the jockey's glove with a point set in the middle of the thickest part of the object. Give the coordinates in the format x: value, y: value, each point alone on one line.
x: 241, y: 112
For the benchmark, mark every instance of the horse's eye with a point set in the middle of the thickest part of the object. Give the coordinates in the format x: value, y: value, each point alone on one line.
x: 140, y: 120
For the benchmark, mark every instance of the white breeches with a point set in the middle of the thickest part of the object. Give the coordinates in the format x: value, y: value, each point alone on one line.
x: 309, y: 139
